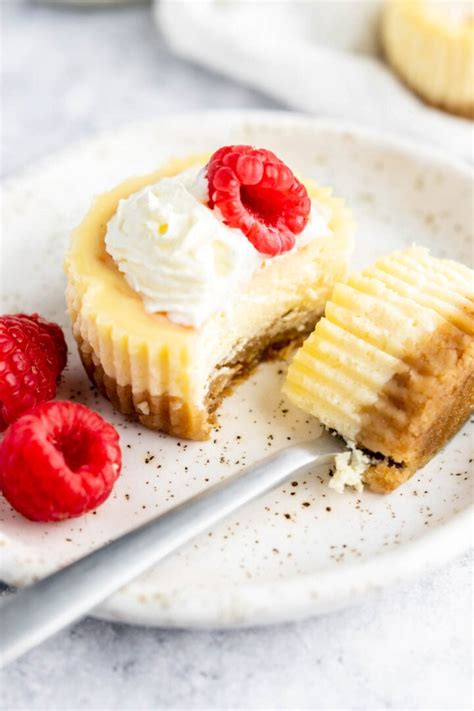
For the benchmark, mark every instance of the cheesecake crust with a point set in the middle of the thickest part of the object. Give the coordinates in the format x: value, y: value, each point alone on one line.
x: 420, y: 408
x: 171, y: 414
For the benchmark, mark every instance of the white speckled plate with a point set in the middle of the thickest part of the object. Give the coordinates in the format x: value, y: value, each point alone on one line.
x: 303, y: 549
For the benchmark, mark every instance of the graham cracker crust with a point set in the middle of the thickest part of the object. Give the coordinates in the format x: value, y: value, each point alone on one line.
x: 174, y: 416
x: 420, y: 408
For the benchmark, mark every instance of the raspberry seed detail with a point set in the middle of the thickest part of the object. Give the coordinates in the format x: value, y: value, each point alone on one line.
x: 33, y: 354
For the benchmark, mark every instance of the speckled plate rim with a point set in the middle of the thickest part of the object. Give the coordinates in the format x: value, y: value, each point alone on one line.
x: 374, y: 136
x: 301, y: 596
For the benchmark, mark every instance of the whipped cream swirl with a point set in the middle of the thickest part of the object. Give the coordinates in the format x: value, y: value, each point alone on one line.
x: 178, y: 254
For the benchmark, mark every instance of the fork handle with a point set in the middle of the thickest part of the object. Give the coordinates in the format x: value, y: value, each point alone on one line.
x: 42, y: 609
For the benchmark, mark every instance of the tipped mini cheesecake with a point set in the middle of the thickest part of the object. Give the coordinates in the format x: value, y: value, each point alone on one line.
x: 391, y: 365
x: 182, y: 281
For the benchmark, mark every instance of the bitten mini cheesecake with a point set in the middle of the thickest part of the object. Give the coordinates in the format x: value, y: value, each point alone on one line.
x: 181, y: 281
x: 430, y: 44
x: 391, y: 365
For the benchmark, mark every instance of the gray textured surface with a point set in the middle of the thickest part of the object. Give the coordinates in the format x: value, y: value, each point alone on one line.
x: 68, y: 73
x: 408, y: 650
x: 65, y: 75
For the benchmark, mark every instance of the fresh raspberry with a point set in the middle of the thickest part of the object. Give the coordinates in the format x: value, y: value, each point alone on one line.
x: 258, y: 194
x: 58, y: 461
x: 33, y: 353
x: 57, y: 335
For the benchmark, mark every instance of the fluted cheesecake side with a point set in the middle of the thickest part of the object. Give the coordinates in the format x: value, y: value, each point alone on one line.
x: 391, y: 365
x: 434, y: 56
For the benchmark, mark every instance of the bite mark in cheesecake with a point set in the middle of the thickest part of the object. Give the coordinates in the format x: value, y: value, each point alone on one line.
x: 172, y: 376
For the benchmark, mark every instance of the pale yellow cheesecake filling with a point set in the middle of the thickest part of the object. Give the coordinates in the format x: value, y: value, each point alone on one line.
x: 152, y: 355
x: 181, y: 257
x: 392, y: 332
x: 431, y: 46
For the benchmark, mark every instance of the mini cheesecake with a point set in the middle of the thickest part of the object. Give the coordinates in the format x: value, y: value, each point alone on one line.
x: 391, y: 365
x: 148, y: 361
x: 430, y: 44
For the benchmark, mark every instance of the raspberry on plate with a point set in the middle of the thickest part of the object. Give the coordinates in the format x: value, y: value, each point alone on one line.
x: 58, y: 461
x: 56, y: 334
x: 33, y: 354
x: 258, y: 194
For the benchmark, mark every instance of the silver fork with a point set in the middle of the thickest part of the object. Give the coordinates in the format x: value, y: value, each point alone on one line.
x: 42, y: 609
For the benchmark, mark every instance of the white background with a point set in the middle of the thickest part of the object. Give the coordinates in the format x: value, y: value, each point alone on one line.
x: 66, y: 74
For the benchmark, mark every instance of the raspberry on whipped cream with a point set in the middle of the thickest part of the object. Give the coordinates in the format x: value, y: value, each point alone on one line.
x: 257, y: 193
x: 176, y: 253
x: 188, y: 246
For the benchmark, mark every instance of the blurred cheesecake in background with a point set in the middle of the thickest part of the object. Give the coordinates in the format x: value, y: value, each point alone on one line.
x: 430, y: 44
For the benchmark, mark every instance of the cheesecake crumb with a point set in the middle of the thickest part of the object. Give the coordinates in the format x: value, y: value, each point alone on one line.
x: 143, y: 408
x: 349, y: 470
